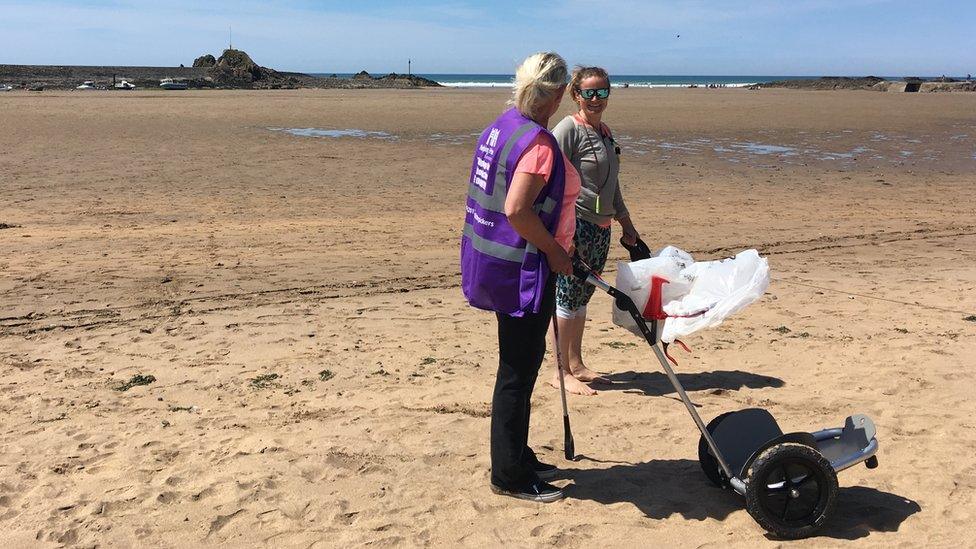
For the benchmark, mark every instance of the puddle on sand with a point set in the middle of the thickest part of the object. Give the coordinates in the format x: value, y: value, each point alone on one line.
x: 876, y: 148
x: 844, y: 156
x: 762, y: 148
x: 677, y: 147
x: 318, y: 132
x: 439, y: 138
x: 453, y: 138
x: 730, y: 150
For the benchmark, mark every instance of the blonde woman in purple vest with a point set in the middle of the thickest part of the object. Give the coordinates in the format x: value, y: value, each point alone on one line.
x: 589, y: 145
x: 518, y: 232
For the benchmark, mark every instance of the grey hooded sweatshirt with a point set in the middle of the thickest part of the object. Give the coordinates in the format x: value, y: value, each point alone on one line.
x: 594, y: 156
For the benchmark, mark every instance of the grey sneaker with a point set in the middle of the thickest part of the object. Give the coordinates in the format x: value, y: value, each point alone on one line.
x: 538, y: 491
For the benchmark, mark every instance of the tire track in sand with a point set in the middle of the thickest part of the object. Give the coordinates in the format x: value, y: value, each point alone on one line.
x: 34, y: 322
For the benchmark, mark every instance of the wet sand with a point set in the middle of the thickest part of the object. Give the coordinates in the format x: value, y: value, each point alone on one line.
x: 319, y: 380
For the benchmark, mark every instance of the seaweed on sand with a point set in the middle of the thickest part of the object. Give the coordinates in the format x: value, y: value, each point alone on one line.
x: 264, y: 381
x: 136, y: 381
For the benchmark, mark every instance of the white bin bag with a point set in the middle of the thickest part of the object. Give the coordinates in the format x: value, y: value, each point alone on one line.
x: 719, y: 288
x: 634, y: 279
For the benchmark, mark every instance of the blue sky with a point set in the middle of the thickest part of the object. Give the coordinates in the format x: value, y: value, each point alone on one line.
x: 718, y: 37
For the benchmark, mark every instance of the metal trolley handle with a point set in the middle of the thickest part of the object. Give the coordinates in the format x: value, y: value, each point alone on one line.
x: 583, y: 271
x: 623, y: 301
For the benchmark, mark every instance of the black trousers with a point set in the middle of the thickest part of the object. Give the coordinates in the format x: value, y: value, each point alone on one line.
x: 521, y: 349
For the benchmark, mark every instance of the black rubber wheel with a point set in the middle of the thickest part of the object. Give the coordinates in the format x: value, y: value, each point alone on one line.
x: 791, y: 490
x: 707, y: 461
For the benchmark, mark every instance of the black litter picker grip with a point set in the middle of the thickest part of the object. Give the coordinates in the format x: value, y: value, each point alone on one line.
x: 638, y: 251
x: 580, y: 269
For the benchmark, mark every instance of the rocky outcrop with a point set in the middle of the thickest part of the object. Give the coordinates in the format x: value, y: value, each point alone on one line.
x: 241, y: 63
x: 204, y: 61
x: 827, y: 83
x: 409, y: 79
x: 394, y: 80
x: 233, y: 69
x: 954, y: 86
x: 236, y: 69
x: 907, y: 84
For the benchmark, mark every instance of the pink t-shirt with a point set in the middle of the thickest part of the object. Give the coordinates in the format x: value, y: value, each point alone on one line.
x: 537, y: 160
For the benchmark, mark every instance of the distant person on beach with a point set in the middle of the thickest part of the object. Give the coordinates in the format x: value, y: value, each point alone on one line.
x: 518, y: 232
x: 590, y: 147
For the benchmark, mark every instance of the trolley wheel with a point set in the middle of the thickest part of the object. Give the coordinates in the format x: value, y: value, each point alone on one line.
x: 707, y: 461
x: 791, y: 490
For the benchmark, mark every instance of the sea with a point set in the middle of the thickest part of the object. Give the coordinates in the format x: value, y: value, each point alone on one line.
x: 621, y: 80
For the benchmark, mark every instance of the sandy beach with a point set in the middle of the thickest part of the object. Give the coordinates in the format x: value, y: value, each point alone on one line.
x: 319, y: 380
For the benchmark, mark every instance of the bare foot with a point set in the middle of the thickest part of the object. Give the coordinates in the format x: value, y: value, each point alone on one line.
x: 587, y: 375
x: 573, y: 385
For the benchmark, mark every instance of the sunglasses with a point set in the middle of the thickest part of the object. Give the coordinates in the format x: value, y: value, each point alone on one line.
x: 601, y: 93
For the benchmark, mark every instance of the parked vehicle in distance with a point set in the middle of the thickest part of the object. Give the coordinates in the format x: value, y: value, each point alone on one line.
x: 124, y: 85
x: 5, y: 88
x: 87, y: 85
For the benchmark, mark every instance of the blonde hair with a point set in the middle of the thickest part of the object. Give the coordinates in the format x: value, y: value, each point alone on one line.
x: 581, y: 73
x: 536, y: 80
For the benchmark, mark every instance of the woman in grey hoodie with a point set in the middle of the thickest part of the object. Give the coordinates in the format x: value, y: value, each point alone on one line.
x: 589, y: 145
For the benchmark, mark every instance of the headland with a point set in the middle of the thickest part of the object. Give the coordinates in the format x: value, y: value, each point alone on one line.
x: 234, y: 69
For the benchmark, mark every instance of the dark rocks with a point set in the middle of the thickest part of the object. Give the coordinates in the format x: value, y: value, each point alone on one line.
x: 236, y: 69
x: 907, y: 84
x: 938, y: 86
x: 827, y: 83
x: 233, y: 69
x: 239, y: 61
x: 412, y: 79
x: 204, y: 61
x: 392, y: 80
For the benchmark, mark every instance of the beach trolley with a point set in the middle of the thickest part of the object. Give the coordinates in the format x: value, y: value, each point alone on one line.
x: 789, y: 480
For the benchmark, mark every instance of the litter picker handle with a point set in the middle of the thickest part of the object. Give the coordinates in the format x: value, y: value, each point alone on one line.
x: 569, y: 447
x: 585, y: 273
x: 623, y: 301
x: 581, y: 270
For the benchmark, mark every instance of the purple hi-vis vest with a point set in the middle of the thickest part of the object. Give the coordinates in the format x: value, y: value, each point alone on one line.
x: 500, y: 271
